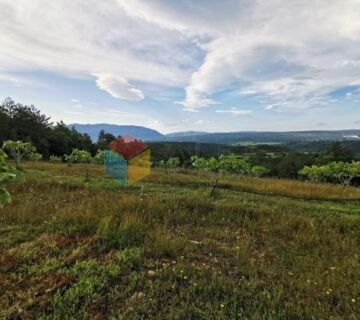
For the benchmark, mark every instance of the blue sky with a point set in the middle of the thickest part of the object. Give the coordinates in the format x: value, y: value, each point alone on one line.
x: 211, y: 65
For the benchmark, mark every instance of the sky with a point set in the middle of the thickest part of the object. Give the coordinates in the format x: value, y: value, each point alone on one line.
x: 203, y: 65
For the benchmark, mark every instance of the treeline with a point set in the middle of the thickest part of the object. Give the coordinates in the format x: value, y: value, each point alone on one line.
x: 278, y: 160
x: 39, y: 138
x: 345, y: 173
x: 25, y: 123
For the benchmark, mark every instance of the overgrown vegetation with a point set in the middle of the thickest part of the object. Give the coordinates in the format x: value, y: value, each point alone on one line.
x: 166, y: 249
x: 339, y: 172
x: 5, y: 176
x: 20, y: 150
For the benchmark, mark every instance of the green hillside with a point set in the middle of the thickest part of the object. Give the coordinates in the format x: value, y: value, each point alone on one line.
x: 171, y: 247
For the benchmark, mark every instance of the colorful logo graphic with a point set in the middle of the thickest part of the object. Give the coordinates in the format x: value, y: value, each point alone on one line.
x: 127, y: 160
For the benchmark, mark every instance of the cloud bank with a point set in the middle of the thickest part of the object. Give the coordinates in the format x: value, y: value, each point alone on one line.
x: 286, y: 54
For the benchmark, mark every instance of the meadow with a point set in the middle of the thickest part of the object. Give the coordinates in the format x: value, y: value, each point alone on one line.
x: 173, y: 247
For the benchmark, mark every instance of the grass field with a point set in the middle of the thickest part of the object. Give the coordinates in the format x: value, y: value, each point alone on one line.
x: 166, y: 248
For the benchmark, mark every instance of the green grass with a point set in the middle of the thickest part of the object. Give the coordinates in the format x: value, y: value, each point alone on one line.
x: 166, y: 249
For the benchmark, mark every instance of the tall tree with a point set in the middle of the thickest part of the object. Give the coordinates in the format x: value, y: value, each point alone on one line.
x: 25, y: 123
x: 4, y: 122
x: 63, y: 140
x: 104, y: 139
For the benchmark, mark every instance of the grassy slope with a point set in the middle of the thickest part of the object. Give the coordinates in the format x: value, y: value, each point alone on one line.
x: 168, y: 250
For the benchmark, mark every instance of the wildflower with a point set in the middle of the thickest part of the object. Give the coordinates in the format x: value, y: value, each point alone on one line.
x: 332, y: 268
x: 353, y: 300
x: 185, y: 277
x: 222, y: 305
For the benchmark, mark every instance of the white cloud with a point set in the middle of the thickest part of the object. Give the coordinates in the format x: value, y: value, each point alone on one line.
x: 119, y: 87
x: 292, y: 54
x: 78, y: 38
x: 235, y: 112
x: 74, y: 112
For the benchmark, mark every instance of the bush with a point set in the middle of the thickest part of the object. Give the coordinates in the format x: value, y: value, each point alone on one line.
x: 229, y: 164
x: 34, y: 156
x: 259, y: 171
x: 340, y: 172
x: 55, y: 159
x: 173, y: 163
x: 79, y: 156
x: 5, y: 176
x: 99, y: 157
x: 19, y: 150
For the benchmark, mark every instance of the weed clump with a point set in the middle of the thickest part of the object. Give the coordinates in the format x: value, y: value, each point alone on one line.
x: 163, y: 245
x: 114, y: 234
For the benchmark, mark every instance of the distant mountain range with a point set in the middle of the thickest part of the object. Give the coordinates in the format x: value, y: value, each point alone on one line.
x: 242, y: 137
x: 186, y: 134
x: 139, y: 132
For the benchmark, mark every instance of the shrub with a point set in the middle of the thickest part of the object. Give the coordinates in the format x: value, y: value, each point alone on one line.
x: 99, y: 157
x: 259, y: 171
x: 341, y: 172
x: 161, y: 164
x: 19, y: 150
x: 55, y: 159
x: 198, y: 163
x: 173, y: 163
x: 34, y: 156
x: 5, y: 176
x: 79, y: 156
